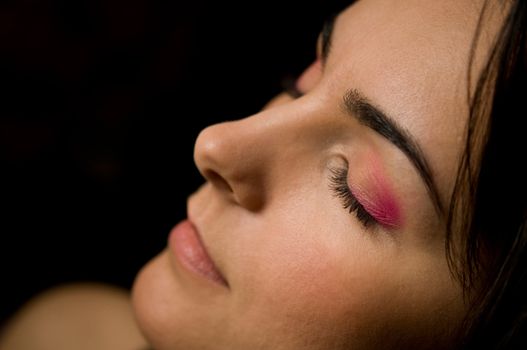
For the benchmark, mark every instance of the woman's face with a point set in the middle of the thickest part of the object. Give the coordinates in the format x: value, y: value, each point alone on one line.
x: 324, y: 214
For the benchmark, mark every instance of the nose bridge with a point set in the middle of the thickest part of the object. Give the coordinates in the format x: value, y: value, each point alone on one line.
x: 244, y: 159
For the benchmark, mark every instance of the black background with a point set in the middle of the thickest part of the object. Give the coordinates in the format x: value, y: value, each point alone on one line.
x: 100, y: 103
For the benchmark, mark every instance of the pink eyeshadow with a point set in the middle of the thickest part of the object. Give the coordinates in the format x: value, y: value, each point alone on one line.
x: 384, y: 209
x: 379, y: 200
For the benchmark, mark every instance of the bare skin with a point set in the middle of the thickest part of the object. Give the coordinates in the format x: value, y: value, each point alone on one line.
x: 80, y: 316
x: 303, y: 270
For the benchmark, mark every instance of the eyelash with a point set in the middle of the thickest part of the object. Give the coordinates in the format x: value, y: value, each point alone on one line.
x: 340, y: 188
x: 339, y: 176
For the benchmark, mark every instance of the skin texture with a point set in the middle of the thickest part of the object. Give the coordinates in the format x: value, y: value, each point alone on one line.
x: 302, y: 271
x: 82, y: 316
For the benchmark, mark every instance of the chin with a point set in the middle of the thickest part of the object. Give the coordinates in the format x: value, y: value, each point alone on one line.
x: 173, y: 313
x: 149, y: 303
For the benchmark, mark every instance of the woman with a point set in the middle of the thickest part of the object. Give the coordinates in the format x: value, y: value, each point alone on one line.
x: 379, y: 204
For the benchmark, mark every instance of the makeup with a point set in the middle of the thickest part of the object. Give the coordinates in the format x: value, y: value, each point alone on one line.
x: 186, y: 244
x: 376, y: 195
x: 381, y: 206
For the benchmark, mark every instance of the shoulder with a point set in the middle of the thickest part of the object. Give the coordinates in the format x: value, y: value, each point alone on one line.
x: 77, y: 316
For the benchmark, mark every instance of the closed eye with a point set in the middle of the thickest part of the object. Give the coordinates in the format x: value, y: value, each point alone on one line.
x: 341, y: 189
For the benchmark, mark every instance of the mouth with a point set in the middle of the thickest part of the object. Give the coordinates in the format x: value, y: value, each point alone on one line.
x: 185, y: 242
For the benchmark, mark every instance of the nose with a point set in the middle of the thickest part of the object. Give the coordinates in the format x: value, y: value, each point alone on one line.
x: 232, y: 157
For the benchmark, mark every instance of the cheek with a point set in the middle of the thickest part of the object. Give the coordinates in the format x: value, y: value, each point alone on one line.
x: 301, y: 287
x: 294, y: 297
x: 318, y: 283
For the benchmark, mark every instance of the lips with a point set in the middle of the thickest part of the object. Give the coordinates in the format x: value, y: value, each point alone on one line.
x: 185, y: 242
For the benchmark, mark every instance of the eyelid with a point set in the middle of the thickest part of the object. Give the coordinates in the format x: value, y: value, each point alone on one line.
x: 319, y: 47
x: 377, y: 197
x: 342, y: 190
x: 290, y: 86
x: 385, y: 210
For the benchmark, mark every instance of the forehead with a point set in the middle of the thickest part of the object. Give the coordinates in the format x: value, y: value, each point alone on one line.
x: 411, y: 58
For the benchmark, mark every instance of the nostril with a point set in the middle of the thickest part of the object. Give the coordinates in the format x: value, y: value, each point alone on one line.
x: 243, y: 194
x: 218, y: 181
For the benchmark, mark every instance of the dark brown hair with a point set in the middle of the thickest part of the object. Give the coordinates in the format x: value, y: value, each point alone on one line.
x: 486, y: 230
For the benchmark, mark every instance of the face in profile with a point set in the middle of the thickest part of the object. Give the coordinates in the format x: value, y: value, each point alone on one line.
x: 322, y: 221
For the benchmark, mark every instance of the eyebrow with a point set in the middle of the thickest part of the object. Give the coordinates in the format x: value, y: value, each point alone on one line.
x: 355, y: 104
x: 358, y: 106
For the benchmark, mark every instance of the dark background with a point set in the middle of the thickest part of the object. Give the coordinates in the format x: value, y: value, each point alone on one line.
x: 100, y: 103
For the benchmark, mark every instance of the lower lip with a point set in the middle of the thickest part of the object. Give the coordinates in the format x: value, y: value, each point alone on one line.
x: 184, y: 241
